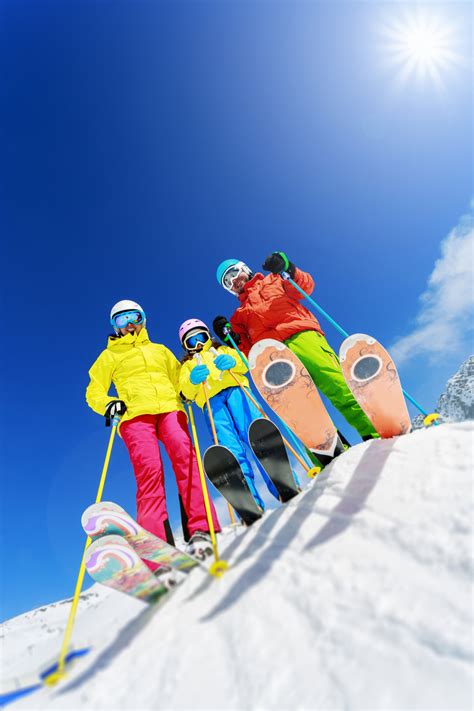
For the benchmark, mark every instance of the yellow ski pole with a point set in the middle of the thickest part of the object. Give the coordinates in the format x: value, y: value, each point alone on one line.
x: 219, y: 566
x: 213, y: 427
x: 216, y: 441
x: 60, y: 673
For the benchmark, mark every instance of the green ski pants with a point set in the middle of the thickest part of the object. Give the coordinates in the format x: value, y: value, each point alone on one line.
x: 323, y: 365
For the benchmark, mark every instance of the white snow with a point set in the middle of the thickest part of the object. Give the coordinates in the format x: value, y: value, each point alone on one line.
x: 356, y: 595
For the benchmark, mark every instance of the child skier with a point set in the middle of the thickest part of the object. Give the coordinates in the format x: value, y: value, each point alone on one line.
x: 146, y: 376
x: 231, y: 408
x: 270, y: 307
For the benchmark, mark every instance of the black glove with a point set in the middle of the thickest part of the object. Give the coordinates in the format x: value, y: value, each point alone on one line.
x: 278, y: 262
x: 219, y: 324
x: 116, y: 407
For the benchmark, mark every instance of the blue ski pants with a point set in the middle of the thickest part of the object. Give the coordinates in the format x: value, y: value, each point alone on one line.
x: 233, y: 413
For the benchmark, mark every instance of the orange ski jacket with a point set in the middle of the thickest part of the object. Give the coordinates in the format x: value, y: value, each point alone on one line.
x: 271, y: 307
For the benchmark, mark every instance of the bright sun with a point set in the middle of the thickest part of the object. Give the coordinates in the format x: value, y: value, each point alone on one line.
x: 421, y: 45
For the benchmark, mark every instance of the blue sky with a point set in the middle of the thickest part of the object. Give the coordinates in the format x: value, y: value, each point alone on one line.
x: 144, y: 142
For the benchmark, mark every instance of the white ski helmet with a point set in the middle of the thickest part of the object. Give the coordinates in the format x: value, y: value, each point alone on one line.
x: 125, y: 305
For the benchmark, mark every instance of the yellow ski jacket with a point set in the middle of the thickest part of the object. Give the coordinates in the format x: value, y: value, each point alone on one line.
x: 145, y: 375
x: 216, y: 382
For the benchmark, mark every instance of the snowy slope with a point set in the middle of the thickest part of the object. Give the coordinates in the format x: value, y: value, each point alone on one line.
x: 355, y: 595
x: 30, y: 642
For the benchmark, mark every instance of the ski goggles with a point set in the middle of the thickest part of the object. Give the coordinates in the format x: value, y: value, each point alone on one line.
x: 190, y: 342
x: 233, y: 273
x: 123, y: 319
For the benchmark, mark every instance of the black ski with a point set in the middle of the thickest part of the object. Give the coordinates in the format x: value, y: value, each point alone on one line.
x: 268, y: 446
x: 223, y: 470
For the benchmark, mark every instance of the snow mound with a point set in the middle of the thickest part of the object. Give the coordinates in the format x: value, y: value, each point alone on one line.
x: 354, y: 595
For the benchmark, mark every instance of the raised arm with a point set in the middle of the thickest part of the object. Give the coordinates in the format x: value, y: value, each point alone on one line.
x: 278, y: 262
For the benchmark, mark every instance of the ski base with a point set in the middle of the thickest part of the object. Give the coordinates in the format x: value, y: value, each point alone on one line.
x: 112, y: 561
x: 285, y: 384
x: 371, y: 375
x: 267, y: 444
x: 108, y: 518
x: 224, y: 472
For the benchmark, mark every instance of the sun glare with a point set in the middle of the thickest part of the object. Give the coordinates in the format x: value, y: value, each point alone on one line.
x: 422, y: 45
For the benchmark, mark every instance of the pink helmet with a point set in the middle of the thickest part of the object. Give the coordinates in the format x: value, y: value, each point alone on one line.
x: 190, y: 325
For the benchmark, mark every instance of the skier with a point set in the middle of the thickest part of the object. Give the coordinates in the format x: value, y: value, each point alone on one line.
x: 231, y: 409
x: 270, y: 307
x: 146, y: 376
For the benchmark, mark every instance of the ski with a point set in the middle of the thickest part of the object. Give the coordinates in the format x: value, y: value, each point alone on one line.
x: 371, y: 375
x: 267, y: 444
x: 108, y: 518
x: 286, y: 386
x: 224, y: 472
x: 112, y: 561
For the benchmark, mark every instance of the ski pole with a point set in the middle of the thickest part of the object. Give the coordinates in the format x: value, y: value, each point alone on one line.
x: 219, y: 566
x: 309, y: 470
x: 59, y: 674
x: 290, y: 435
x: 344, y: 333
x: 213, y: 426
x: 216, y: 441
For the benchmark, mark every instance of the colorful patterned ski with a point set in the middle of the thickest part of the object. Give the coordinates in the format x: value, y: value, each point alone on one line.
x: 107, y: 518
x: 112, y: 561
x: 373, y: 379
x: 287, y: 387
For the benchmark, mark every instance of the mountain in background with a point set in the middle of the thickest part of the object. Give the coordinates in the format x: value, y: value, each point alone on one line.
x: 456, y: 402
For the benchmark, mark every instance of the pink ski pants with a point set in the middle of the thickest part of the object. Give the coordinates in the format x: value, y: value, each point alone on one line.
x: 141, y: 435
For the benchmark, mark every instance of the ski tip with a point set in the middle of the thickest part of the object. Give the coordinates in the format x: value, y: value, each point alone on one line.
x: 258, y: 348
x: 110, y: 542
x: 93, y: 511
x: 219, y: 448
x: 257, y: 423
x: 97, y: 508
x: 109, y: 539
x: 350, y: 341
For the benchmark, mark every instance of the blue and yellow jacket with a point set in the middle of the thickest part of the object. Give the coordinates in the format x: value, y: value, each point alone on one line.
x: 195, y: 393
